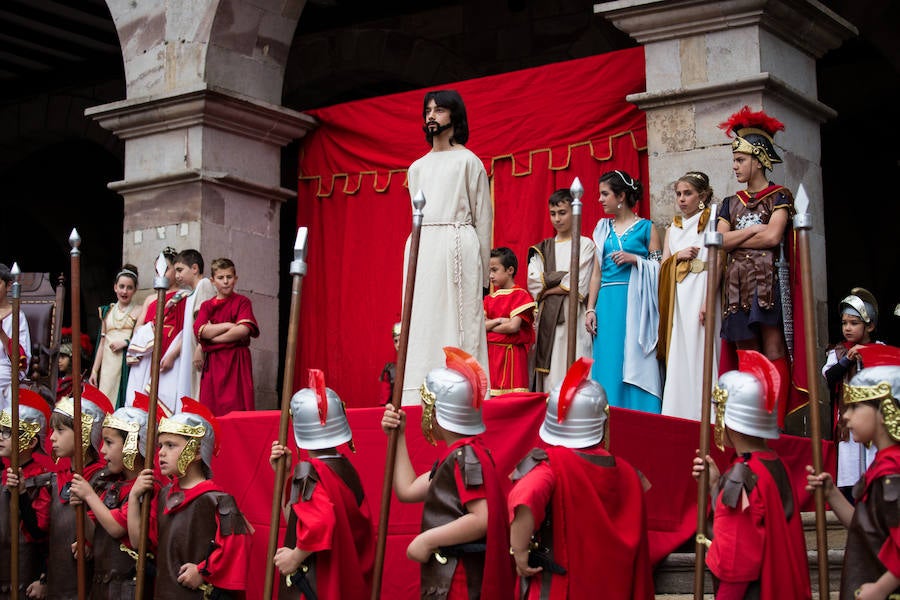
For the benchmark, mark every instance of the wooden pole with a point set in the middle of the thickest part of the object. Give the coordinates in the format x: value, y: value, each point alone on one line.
x: 803, y: 225
x: 54, y: 337
x: 160, y: 284
x: 78, y: 457
x: 577, y: 191
x: 713, y: 242
x: 400, y: 375
x: 14, y: 353
x: 298, y: 272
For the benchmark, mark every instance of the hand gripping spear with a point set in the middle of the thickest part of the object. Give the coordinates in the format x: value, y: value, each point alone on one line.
x: 802, y: 225
x: 713, y: 242
x: 78, y: 458
x: 416, y: 235
x: 14, y: 358
x: 577, y: 191
x: 298, y: 271
x: 160, y: 284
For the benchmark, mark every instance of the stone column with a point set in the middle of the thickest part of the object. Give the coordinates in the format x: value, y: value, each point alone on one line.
x: 203, y: 135
x: 704, y: 61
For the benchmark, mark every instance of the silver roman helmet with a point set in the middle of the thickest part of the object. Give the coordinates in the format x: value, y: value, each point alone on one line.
x: 746, y: 399
x: 94, y: 408
x: 577, y: 409
x: 34, y: 417
x: 862, y: 304
x: 320, y: 420
x: 200, y: 427
x: 453, y: 395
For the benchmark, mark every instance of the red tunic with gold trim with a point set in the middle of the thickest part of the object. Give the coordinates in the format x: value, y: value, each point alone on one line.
x: 226, y: 383
x: 579, y: 497
x: 508, y: 352
x: 758, y: 549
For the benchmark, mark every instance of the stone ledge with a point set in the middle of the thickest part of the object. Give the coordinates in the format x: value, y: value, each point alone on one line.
x: 202, y: 105
x: 226, y: 180
x: 807, y: 24
x: 763, y: 82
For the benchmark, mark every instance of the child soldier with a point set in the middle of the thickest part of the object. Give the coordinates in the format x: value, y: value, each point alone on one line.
x: 509, y: 321
x: 462, y: 546
x: 328, y: 550
x: 872, y: 556
x: 203, y: 539
x: 757, y: 549
x: 34, y: 501
x: 62, y: 566
x: 570, y: 495
x: 124, y: 442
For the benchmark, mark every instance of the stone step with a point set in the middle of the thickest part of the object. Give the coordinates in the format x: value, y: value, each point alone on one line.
x: 674, y: 576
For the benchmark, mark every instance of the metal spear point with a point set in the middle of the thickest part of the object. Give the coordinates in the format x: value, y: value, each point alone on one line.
x: 801, y: 202
x: 577, y: 191
x: 418, y: 204
x: 75, y: 242
x: 298, y: 265
x: 161, y: 282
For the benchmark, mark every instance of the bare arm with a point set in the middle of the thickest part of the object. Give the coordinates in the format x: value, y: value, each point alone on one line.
x: 467, y: 528
x: 839, y: 504
x: 520, y: 532
x: 407, y: 486
x: 590, y: 318
x: 769, y: 235
x: 666, y: 254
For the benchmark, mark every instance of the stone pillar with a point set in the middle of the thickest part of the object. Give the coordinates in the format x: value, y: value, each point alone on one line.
x: 704, y: 61
x: 203, y: 136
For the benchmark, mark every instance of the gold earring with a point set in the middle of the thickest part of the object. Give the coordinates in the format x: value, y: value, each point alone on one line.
x: 702, y: 205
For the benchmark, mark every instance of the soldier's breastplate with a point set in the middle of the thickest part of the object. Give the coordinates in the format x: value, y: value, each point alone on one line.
x: 442, y: 506
x: 112, y: 566
x: 62, y: 569
x: 30, y: 553
x: 867, y: 533
x: 184, y: 537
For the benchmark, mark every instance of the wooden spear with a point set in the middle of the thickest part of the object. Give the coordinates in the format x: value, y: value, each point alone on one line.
x: 298, y: 272
x: 14, y: 354
x: 803, y: 225
x: 577, y: 191
x: 54, y: 338
x: 414, y: 238
x: 713, y: 242
x: 78, y: 457
x: 160, y: 284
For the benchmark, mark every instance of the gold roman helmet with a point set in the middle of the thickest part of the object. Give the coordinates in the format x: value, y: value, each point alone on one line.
x: 94, y: 408
x: 753, y: 134
x: 34, y: 415
x: 199, y: 425
x: 878, y: 382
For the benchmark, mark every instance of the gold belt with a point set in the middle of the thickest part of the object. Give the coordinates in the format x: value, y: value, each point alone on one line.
x: 698, y: 266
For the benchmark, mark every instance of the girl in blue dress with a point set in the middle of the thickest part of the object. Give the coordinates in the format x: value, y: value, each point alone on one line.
x: 625, y: 312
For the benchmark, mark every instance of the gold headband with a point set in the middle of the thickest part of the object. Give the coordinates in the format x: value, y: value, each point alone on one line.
x: 27, y: 429
x: 863, y: 393
x: 744, y: 147
x: 130, y: 449
x: 428, y: 400
x: 66, y: 407
x: 720, y: 397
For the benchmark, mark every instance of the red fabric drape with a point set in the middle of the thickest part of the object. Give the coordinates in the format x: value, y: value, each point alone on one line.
x: 661, y: 448
x: 535, y: 130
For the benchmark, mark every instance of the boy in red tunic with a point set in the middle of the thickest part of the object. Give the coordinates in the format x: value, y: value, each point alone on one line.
x: 328, y: 546
x: 224, y: 327
x: 34, y: 501
x: 872, y: 555
x: 572, y: 494
x: 509, y: 321
x: 203, y: 539
x: 462, y: 546
x: 757, y: 549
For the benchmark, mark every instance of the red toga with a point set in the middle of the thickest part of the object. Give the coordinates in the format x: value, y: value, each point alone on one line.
x: 226, y: 383
x: 173, y: 318
x: 508, y: 352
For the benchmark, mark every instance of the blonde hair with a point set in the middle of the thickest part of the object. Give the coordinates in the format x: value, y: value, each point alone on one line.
x: 220, y: 264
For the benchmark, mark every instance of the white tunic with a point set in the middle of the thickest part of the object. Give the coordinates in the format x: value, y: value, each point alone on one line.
x: 24, y: 343
x: 583, y: 347
x: 682, y: 395
x: 453, y: 263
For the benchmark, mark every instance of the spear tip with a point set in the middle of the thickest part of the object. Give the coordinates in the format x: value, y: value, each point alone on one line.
x: 74, y: 238
x: 577, y: 189
x: 15, y: 271
x: 300, y: 243
x: 419, y: 200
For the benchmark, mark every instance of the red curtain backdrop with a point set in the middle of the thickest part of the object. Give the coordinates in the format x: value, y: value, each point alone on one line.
x: 535, y: 130
x: 662, y: 448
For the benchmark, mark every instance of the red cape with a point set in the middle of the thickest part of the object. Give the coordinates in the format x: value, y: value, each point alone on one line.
x: 608, y: 502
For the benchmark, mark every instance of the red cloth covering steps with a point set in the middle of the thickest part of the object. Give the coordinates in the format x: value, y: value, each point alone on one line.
x: 660, y: 447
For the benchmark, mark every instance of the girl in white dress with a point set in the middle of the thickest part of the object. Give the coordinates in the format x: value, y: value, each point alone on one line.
x: 109, y: 372
x: 682, y: 298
